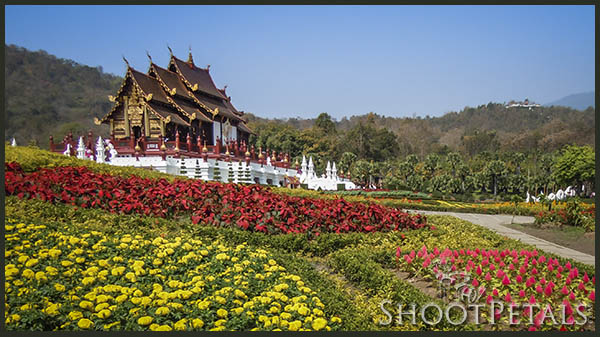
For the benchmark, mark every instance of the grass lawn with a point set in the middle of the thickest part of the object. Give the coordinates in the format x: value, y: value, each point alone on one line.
x: 572, y: 237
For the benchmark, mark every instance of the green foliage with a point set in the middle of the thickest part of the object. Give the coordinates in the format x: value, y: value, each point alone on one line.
x: 574, y: 165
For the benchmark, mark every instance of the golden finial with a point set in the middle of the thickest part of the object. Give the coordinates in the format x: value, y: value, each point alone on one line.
x: 260, y: 155
x: 247, y: 154
x: 204, y: 149
x: 190, y: 59
x: 195, y: 87
x: 137, y: 147
x: 163, y: 147
x: 296, y: 163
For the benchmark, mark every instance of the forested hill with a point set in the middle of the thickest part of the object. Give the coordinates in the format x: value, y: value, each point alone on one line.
x: 493, y: 126
x: 47, y: 95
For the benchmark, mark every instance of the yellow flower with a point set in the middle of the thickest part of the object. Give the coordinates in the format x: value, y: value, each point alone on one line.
x: 303, y: 311
x: 108, y: 326
x: 222, y: 313
x: 117, y: 271
x: 88, y: 280
x: 180, y: 324
x: 162, y: 311
x: 203, y: 304
x: 84, y: 323
x: 31, y: 263
x: 80, y: 259
x: 52, y: 309
x: 336, y: 319
x: 75, y: 315
x: 145, y: 320
x: 104, y: 313
x: 319, y: 323
x: 295, y: 325
x: 163, y: 328
x: 197, y: 323
x: 28, y: 273
x: 222, y: 256
x: 239, y: 293
x: 285, y: 315
x: 86, y: 305
x: 220, y: 322
x: 121, y: 298
x: 101, y: 306
x: 157, y: 262
x: 59, y: 287
x: 66, y: 263
x: 41, y: 276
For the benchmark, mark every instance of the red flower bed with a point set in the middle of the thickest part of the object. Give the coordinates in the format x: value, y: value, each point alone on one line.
x: 250, y: 207
x: 514, y: 278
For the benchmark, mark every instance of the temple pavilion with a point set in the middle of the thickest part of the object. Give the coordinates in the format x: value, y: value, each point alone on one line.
x: 177, y: 109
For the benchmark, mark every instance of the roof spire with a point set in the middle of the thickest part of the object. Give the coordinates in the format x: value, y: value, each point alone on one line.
x: 149, y: 57
x: 170, y: 51
x: 124, y: 59
x: 190, y: 59
x: 207, y: 67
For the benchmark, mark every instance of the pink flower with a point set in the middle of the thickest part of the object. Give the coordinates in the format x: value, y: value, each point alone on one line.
x: 426, y: 263
x: 505, y: 281
x: 530, y: 281
x: 568, y: 265
x: 489, y: 299
x: 532, y: 300
x: 534, y: 262
x: 521, y: 293
x: 488, y: 276
x: 548, y: 290
x: 412, y: 254
x: 495, y: 292
x: 560, y: 269
x: 519, y: 279
x: 565, y: 291
x: 475, y: 283
x: 592, y: 296
x: 572, y: 296
x: 568, y: 308
x: 539, y: 289
x: 522, y: 270
x: 534, y: 271
x: 586, y: 278
x: 550, y: 268
x: 492, y: 267
x: 532, y: 328
x: 558, y: 275
x: 543, y: 281
x: 398, y: 252
x: 478, y: 270
x: 499, y: 273
x: 570, y: 320
x: 568, y: 280
x: 511, y: 267
x: 507, y: 298
x: 581, y: 286
x: 542, y: 259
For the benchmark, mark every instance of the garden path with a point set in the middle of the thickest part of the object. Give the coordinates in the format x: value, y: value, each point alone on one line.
x: 495, y: 222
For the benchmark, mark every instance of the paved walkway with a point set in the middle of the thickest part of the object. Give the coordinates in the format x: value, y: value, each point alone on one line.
x: 495, y: 222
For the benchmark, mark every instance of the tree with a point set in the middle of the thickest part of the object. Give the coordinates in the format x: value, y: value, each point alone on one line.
x: 495, y: 169
x: 325, y: 123
x: 575, y: 165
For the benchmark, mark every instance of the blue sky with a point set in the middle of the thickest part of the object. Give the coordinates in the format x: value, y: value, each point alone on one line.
x: 299, y: 61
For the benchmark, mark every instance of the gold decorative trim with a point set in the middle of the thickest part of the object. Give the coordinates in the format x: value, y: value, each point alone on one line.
x: 97, y: 121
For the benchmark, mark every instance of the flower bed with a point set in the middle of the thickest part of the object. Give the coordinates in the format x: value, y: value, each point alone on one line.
x: 250, y: 207
x: 74, y: 279
x: 513, y: 278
